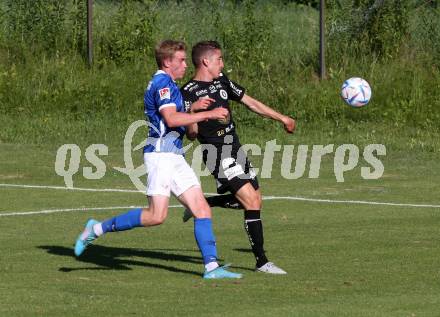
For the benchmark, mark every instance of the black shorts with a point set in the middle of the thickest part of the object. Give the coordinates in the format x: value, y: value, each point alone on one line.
x: 230, y: 167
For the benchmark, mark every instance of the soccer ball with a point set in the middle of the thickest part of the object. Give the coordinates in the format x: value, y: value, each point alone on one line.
x: 356, y: 92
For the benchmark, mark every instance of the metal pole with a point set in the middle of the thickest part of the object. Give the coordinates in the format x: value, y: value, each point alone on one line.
x: 89, y: 32
x: 322, y: 73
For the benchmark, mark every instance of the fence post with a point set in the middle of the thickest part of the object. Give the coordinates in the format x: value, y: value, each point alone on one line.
x: 90, y: 32
x: 322, y: 74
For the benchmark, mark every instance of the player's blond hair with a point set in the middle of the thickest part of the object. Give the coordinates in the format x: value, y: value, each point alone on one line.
x: 167, y: 49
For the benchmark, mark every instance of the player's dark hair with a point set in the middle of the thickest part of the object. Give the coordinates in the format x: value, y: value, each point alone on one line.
x: 167, y: 49
x: 200, y: 50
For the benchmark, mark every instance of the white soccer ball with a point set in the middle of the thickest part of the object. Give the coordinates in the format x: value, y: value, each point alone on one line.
x: 356, y: 92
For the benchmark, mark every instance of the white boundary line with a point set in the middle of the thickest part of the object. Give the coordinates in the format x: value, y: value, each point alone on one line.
x: 108, y: 190
x: 359, y: 202
x: 51, y: 211
x: 112, y: 190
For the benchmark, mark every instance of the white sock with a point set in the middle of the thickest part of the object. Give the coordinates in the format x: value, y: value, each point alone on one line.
x: 97, y: 229
x: 211, y: 266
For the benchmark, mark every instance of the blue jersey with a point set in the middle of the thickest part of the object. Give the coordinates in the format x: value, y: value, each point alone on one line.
x: 162, y: 92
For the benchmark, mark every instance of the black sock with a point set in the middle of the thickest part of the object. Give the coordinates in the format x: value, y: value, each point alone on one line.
x: 254, y: 229
x: 224, y: 201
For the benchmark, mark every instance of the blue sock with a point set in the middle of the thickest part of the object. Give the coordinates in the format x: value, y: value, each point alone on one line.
x: 131, y: 219
x: 205, y: 239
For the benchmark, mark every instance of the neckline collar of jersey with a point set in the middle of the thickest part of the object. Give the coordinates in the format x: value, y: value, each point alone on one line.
x: 160, y: 71
x: 205, y: 82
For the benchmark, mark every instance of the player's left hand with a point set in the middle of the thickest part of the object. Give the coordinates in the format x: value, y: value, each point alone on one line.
x: 289, y: 124
x: 201, y: 104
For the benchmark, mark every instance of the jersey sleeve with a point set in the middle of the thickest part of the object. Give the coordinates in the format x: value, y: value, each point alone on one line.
x: 163, y: 95
x: 235, y: 91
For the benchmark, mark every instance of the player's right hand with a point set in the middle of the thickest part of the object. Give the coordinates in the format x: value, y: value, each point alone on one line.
x: 201, y: 104
x: 289, y: 124
x: 217, y: 113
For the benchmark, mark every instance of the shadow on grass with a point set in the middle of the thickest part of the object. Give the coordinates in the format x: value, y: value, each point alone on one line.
x: 111, y: 258
x: 243, y: 250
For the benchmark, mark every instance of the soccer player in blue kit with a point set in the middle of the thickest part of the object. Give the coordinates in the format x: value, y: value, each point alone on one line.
x: 168, y: 172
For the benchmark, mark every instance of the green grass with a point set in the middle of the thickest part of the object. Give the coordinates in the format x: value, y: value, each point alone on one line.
x: 52, y: 96
x: 342, y: 259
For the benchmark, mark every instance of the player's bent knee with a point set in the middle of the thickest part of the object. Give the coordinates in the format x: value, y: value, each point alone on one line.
x: 156, y: 220
x: 200, y: 208
x: 153, y: 217
x: 202, y: 212
x: 253, y: 201
x: 259, y: 201
x: 205, y: 206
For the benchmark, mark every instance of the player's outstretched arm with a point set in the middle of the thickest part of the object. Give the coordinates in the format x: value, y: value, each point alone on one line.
x: 175, y: 119
x: 265, y: 111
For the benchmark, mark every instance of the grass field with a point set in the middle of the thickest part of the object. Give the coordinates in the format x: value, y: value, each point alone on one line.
x: 342, y: 259
x: 356, y: 248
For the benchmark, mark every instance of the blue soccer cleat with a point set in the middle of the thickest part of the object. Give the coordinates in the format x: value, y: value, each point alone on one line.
x: 221, y: 272
x: 86, y: 237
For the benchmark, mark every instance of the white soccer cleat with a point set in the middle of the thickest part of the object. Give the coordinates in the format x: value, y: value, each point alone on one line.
x: 270, y: 268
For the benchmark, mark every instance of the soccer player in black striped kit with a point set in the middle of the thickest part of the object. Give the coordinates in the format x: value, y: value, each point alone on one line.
x: 221, y: 146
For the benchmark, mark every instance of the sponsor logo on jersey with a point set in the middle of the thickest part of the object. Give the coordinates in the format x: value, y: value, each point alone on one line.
x: 164, y: 93
x: 195, y: 86
x: 235, y: 89
x: 201, y: 92
x: 212, y: 89
x: 217, y: 84
x: 188, y: 86
x: 223, y: 94
x: 229, y: 128
x: 187, y: 106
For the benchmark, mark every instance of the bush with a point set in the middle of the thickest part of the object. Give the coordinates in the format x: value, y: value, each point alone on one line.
x: 130, y: 34
x: 425, y: 31
x: 271, y: 48
x: 365, y: 27
x: 36, y: 24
